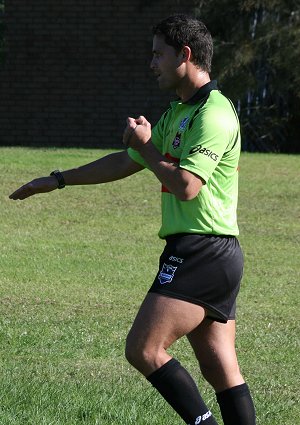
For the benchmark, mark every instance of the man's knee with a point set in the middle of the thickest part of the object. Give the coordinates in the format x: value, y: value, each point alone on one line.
x: 145, y: 355
x: 131, y: 352
x: 137, y: 354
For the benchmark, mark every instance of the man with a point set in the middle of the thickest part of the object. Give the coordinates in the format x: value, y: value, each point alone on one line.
x: 194, y: 152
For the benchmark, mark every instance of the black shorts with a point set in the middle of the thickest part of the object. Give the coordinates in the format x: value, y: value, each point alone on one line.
x: 202, y: 269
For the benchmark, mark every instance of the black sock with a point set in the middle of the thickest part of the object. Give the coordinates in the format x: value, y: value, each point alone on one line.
x: 179, y: 389
x: 236, y: 406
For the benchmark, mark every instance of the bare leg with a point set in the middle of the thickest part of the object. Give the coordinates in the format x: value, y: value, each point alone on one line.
x: 214, y: 347
x: 160, y: 322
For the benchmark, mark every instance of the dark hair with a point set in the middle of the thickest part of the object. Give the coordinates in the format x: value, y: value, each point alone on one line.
x: 182, y: 30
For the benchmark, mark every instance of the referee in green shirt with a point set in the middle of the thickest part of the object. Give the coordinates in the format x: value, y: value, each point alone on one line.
x: 193, y: 151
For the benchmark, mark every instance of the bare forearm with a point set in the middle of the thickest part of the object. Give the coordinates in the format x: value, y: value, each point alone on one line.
x: 109, y: 168
x: 181, y: 183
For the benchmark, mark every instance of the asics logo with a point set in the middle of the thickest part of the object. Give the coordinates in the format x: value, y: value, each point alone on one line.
x: 204, y: 151
x: 199, y: 419
x: 178, y: 260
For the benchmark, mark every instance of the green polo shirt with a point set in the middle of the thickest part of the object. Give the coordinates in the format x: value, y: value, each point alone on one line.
x: 202, y: 136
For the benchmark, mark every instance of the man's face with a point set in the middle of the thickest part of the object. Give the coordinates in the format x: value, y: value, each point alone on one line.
x: 166, y: 64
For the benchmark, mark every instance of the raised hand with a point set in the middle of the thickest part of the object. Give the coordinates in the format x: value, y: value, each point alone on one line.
x: 137, y: 132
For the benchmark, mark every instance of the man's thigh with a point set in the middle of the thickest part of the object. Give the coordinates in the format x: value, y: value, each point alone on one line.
x: 161, y: 320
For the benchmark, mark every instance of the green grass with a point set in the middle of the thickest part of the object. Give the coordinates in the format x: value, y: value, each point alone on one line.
x: 75, y: 265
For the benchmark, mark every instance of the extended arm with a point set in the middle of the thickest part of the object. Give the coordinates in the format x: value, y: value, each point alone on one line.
x: 112, y: 167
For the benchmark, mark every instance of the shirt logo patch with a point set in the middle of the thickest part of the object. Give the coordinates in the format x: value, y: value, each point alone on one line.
x: 166, y: 274
x: 176, y: 141
x: 183, y: 123
x: 182, y: 127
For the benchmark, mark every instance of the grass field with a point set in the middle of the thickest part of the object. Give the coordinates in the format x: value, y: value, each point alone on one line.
x: 75, y: 265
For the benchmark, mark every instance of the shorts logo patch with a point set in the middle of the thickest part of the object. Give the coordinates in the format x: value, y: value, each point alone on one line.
x: 166, y: 274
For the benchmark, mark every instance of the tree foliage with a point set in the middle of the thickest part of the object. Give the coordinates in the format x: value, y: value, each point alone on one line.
x: 257, y: 62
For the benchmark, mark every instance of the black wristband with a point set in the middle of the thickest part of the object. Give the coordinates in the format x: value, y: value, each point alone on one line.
x: 60, y: 179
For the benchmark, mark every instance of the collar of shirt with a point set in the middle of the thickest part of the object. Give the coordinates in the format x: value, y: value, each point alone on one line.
x: 202, y: 92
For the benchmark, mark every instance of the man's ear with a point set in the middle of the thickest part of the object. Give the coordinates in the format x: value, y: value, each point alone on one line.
x: 186, y: 53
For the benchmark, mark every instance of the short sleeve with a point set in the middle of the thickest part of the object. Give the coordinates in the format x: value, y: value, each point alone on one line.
x: 206, y: 141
